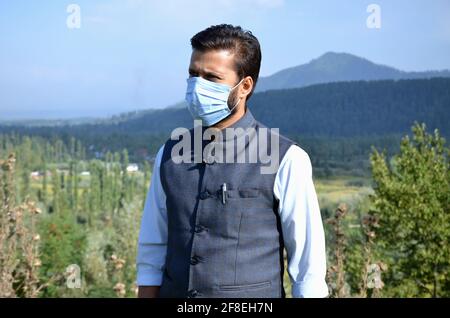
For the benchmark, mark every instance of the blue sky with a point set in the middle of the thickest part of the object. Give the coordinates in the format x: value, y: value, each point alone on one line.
x: 134, y: 54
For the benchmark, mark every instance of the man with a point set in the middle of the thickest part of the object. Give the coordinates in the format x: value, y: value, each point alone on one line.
x: 215, y: 228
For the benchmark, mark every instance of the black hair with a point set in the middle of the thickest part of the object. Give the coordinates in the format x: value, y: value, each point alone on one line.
x: 241, y: 42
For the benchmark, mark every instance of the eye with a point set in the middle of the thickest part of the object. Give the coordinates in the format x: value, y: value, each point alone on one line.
x: 212, y: 78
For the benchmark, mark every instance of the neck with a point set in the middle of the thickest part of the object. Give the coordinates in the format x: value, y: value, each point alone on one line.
x: 234, y: 117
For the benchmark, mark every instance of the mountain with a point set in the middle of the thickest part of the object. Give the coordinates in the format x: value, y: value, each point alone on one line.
x: 122, y: 117
x: 343, y: 109
x: 337, y: 123
x: 337, y: 67
x: 49, y: 122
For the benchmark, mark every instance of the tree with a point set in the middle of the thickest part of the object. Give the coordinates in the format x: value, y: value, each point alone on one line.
x: 412, y: 201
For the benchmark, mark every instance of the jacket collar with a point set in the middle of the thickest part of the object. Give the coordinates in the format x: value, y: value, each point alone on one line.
x: 246, y: 121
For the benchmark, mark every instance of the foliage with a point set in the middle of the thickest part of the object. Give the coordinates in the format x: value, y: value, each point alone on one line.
x: 391, y: 242
x: 412, y: 202
x: 90, y: 215
x: 19, y: 240
x: 335, y: 122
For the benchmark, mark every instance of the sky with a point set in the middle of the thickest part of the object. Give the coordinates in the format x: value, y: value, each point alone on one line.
x: 127, y: 55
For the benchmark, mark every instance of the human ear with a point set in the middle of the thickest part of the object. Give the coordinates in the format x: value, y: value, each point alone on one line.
x: 246, y: 86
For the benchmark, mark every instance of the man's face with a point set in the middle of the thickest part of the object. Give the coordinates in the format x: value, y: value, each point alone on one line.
x: 216, y: 66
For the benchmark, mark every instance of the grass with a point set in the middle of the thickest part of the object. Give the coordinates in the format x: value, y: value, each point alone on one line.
x: 337, y: 189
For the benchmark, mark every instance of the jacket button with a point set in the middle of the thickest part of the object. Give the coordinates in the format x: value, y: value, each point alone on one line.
x: 199, y: 228
x: 204, y: 195
x: 192, y: 293
x: 194, y: 260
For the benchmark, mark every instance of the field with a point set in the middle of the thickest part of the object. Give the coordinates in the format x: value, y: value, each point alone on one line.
x: 61, y: 210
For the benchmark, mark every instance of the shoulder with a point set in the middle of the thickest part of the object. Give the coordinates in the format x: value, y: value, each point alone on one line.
x: 294, y: 170
x: 284, y: 141
x: 297, y: 158
x: 297, y: 152
x: 177, y: 135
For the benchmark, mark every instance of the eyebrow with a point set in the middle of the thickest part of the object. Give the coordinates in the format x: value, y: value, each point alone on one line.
x: 211, y: 73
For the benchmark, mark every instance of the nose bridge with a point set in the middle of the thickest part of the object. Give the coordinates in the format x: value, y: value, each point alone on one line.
x: 203, y: 84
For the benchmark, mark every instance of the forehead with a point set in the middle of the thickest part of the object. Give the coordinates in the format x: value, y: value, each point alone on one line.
x: 221, y: 61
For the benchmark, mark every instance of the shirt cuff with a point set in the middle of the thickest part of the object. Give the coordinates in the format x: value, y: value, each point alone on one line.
x: 310, y: 289
x: 148, y: 276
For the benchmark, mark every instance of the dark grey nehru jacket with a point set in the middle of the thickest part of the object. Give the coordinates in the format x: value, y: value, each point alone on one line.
x: 222, y: 250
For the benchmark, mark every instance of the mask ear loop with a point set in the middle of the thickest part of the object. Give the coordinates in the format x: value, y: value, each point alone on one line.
x: 236, y: 85
x: 235, y: 105
x: 239, y: 98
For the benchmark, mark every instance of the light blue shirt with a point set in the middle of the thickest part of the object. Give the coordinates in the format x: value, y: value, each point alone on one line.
x: 301, y: 225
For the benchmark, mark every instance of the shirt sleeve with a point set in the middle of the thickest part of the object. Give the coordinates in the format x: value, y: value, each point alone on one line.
x: 152, y: 243
x: 301, y: 224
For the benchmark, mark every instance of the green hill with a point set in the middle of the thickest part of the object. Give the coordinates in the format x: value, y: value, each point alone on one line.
x: 334, y: 122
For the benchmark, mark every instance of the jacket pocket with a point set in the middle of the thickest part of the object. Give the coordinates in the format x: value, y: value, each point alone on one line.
x: 244, y: 287
x: 243, y: 193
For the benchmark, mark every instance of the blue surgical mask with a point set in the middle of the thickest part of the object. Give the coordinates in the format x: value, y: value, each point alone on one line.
x: 208, y: 101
